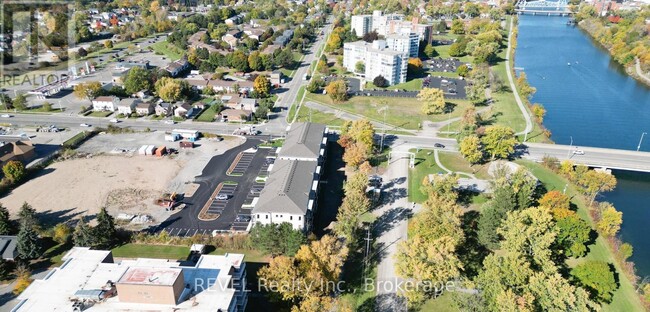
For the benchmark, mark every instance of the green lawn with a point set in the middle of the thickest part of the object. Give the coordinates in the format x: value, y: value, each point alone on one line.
x: 625, y: 297
x: 250, y: 255
x: 100, y: 114
x: 425, y: 164
x: 313, y: 115
x: 76, y: 139
x: 167, y: 49
x: 443, y: 51
x: 456, y: 163
x: 151, y: 251
x: 402, y: 112
x: 208, y: 114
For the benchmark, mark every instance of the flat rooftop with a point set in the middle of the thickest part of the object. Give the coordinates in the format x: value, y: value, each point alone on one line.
x: 150, y: 276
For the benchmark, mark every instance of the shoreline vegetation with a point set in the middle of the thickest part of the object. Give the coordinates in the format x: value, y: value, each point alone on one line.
x: 624, y: 49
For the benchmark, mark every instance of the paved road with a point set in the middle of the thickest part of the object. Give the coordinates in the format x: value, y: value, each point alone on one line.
x: 391, y: 229
x: 639, y: 72
x: 522, y: 108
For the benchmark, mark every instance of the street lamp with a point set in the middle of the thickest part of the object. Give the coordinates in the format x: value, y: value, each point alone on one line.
x: 638, y: 147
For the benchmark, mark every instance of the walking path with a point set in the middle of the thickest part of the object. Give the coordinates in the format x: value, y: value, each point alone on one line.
x: 522, y: 107
x: 439, y: 163
x: 351, y: 116
x: 391, y: 229
x: 640, y: 72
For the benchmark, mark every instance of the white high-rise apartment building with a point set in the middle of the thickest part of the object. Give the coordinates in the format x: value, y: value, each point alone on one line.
x: 378, y: 60
x: 361, y: 24
x: 404, y: 41
x: 381, y: 21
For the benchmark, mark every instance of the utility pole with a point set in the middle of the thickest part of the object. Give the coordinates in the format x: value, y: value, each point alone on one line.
x: 365, y: 260
x: 638, y: 147
x: 381, y: 146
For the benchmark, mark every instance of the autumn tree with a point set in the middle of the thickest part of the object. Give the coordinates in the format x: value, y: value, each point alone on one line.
x: 430, y: 252
x: 470, y: 148
x: 359, y: 67
x: 525, y: 89
x: 499, y: 141
x: 358, y: 131
x: 337, y: 90
x: 355, y: 154
x: 539, y: 111
x: 557, y: 202
x: 597, y: 278
x: 430, y: 51
x: 354, y: 204
x: 414, y: 66
x: 457, y: 27
x: 433, y: 101
x: 14, y: 171
x: 462, y: 70
x: 62, y: 233
x: 170, y: 89
x: 108, y: 44
x: 594, y: 182
x: 262, y: 86
x: 610, y: 220
x: 87, y: 90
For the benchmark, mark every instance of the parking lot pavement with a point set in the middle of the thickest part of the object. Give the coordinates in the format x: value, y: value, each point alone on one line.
x: 218, y: 205
x: 243, y: 163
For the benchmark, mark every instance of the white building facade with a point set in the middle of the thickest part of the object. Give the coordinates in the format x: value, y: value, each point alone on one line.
x: 405, y: 41
x: 361, y: 24
x: 381, y: 21
x: 378, y: 60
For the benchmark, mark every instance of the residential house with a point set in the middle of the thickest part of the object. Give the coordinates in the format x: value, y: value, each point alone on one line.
x: 276, y: 77
x: 290, y: 192
x: 254, y: 33
x: 284, y: 38
x: 228, y: 86
x: 8, y: 249
x: 232, y: 37
x: 198, y: 83
x: 94, y: 280
x: 236, y: 115
x: 16, y: 147
x: 127, y: 106
x: 235, y: 20
x: 181, y: 110
x: 144, y: 108
x: 105, y: 103
x: 270, y: 49
x: 177, y: 67
x: 163, y: 109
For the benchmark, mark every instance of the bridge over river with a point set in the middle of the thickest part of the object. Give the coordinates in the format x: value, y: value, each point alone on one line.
x: 543, y: 7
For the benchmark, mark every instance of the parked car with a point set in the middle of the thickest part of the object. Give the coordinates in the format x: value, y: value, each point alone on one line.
x: 84, y: 125
x: 170, y: 122
x: 438, y: 145
x: 222, y: 196
x: 5, y: 115
x: 241, y: 218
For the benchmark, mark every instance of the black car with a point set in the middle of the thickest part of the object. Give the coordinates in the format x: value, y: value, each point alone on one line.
x: 438, y: 145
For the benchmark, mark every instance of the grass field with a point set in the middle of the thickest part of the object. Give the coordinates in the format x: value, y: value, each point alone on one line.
x: 167, y: 49
x: 100, y: 114
x: 425, y: 164
x: 178, y: 252
x: 443, y: 51
x: 625, y: 297
x: 456, y: 163
x: 305, y: 114
x: 402, y: 112
x: 208, y: 114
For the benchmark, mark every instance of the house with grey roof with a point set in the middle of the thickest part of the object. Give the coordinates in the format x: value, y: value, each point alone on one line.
x: 290, y: 192
x: 8, y: 247
x: 304, y: 141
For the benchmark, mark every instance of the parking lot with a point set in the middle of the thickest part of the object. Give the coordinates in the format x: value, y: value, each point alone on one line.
x: 243, y: 163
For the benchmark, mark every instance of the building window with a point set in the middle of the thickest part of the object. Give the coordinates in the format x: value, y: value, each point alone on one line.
x: 291, y: 218
x: 267, y: 216
x: 299, y: 218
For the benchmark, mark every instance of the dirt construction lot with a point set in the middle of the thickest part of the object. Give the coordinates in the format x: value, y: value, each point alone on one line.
x: 123, y: 182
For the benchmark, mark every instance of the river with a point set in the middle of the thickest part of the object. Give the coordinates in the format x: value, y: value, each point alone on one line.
x: 591, y: 101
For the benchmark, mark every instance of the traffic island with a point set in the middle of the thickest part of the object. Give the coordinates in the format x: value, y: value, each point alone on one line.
x: 204, y: 215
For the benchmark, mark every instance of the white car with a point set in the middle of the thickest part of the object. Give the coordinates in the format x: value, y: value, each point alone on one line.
x: 578, y: 152
x: 84, y: 125
x: 114, y: 120
x: 222, y: 196
x: 170, y: 122
x: 5, y: 115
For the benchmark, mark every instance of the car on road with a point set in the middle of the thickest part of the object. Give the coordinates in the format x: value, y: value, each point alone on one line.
x: 114, y: 120
x: 84, y: 125
x: 578, y: 152
x: 438, y: 145
x: 5, y: 115
x: 170, y: 122
x: 222, y: 196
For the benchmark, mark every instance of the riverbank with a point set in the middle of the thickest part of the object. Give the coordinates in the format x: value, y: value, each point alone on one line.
x: 627, y: 60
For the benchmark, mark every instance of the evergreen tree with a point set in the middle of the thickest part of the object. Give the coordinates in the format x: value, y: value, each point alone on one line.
x: 105, y: 232
x: 83, y: 236
x: 27, y: 216
x: 5, y: 223
x: 27, y: 242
